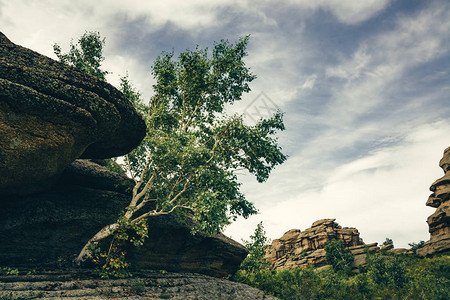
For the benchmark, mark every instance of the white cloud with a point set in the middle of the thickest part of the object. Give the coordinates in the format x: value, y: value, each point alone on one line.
x: 309, y: 82
x: 346, y: 11
x: 352, y: 68
x: 382, y: 194
x: 386, y: 58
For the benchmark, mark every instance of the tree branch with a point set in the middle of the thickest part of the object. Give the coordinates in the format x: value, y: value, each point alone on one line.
x: 154, y: 213
x: 103, y: 233
x: 181, y: 192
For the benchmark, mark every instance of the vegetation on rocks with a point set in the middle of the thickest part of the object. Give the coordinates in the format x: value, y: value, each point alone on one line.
x: 188, y: 160
x: 86, y: 55
x: 385, y: 276
x: 399, y: 278
x: 339, y: 257
x: 8, y: 271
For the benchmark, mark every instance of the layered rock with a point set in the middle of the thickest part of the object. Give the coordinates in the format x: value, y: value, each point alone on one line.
x: 51, y: 226
x: 439, y: 221
x: 298, y: 248
x: 153, y: 285
x: 51, y: 114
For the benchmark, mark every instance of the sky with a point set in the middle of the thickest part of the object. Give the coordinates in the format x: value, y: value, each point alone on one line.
x: 364, y: 86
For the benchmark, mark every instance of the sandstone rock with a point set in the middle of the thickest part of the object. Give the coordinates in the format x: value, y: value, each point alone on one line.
x: 40, y: 229
x: 301, y: 248
x: 400, y: 251
x: 387, y: 247
x: 439, y: 221
x: 51, y: 114
x: 360, y: 253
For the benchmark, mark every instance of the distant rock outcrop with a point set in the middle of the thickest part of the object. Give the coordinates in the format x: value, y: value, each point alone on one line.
x: 52, y: 114
x: 302, y: 248
x: 439, y: 221
x: 41, y: 229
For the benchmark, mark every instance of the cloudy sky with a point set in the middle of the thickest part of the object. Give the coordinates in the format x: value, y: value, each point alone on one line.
x: 364, y: 84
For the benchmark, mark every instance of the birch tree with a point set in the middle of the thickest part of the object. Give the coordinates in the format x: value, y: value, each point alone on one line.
x: 193, y: 149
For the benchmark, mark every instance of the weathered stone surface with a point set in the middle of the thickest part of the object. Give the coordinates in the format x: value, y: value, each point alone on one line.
x: 40, y: 229
x: 439, y: 221
x: 401, y: 251
x: 300, y: 249
x: 153, y: 285
x: 37, y: 229
x: 387, y: 247
x: 360, y: 253
x: 51, y: 114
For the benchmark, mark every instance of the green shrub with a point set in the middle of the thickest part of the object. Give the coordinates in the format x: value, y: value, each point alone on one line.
x: 137, y: 286
x: 8, y: 271
x: 388, y: 241
x: 257, y: 247
x: 416, y: 246
x: 339, y: 257
x: 387, y: 270
x: 386, y: 276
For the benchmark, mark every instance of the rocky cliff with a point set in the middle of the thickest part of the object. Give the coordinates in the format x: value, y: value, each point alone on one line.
x: 298, y: 248
x: 439, y: 221
x: 50, y: 202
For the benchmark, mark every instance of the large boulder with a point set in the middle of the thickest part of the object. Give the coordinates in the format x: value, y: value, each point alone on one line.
x: 439, y: 221
x: 52, y: 114
x: 51, y: 226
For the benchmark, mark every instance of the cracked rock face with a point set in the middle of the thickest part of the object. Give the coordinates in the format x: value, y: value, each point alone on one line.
x: 439, y: 221
x: 52, y: 114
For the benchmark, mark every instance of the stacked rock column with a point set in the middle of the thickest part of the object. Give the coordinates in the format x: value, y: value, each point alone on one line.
x: 439, y: 221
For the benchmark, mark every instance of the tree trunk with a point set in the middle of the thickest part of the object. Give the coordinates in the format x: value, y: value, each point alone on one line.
x: 102, y: 234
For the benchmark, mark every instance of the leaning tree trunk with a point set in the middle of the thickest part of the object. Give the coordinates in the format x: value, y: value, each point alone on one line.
x: 102, y: 234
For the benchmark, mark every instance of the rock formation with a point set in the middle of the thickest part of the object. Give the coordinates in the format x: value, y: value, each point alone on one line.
x: 50, y: 203
x: 146, y: 285
x: 302, y: 248
x: 52, y: 114
x: 439, y: 221
x: 40, y: 229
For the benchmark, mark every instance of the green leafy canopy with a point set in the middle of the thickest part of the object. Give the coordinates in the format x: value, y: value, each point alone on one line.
x: 193, y: 147
x: 86, y: 55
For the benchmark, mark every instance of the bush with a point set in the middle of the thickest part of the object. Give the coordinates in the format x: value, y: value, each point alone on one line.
x: 8, y: 271
x: 137, y: 286
x: 257, y: 247
x: 338, y: 257
x: 416, y: 246
x: 387, y: 270
x: 386, y: 277
x: 388, y: 241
